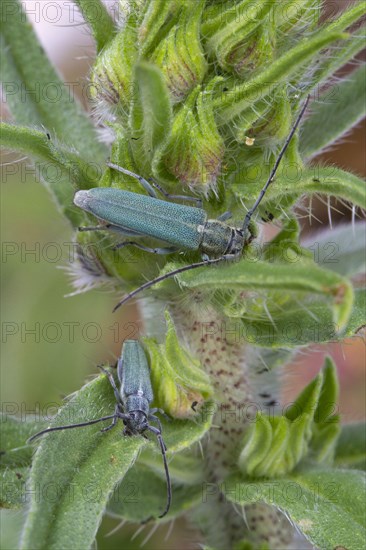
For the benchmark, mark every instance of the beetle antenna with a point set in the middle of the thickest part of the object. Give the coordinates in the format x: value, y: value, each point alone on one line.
x: 161, y: 278
x: 167, y: 476
x: 48, y: 430
x: 275, y: 167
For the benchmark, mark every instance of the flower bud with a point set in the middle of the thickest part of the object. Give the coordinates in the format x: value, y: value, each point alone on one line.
x: 179, y: 55
x: 177, y: 378
x: 195, y: 149
x: 112, y: 74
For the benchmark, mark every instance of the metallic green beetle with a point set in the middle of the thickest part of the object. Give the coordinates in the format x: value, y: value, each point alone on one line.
x: 133, y: 403
x: 182, y: 227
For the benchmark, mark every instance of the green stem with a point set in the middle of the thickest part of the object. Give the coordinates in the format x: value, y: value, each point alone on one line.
x: 216, y: 342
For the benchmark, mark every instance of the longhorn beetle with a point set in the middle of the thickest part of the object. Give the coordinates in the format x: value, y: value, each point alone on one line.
x: 133, y: 403
x: 183, y: 227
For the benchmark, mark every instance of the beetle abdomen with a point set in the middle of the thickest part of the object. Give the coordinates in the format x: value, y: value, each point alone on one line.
x: 135, y: 373
x: 173, y: 223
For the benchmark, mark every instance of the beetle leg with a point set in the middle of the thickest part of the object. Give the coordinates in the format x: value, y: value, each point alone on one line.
x: 114, y: 421
x: 95, y: 228
x: 176, y: 197
x: 161, y: 411
x: 225, y: 216
x: 112, y: 382
x: 167, y: 250
x: 111, y: 227
x: 145, y: 184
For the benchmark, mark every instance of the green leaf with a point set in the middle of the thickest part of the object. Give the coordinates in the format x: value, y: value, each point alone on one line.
x: 351, y: 447
x: 194, y: 151
x: 357, y: 321
x: 329, y: 394
x: 178, y: 379
x: 15, y: 458
x: 35, y: 94
x: 347, y: 17
x: 336, y: 112
x: 300, y: 276
x: 297, y: 14
x: 307, y: 401
x: 179, y: 55
x: 14, y: 434
x: 326, y: 505
x: 184, y: 467
x: 341, y: 249
x: 182, y: 434
x: 329, y: 180
x: 346, y: 51
x: 142, y: 494
x: 61, y: 169
x: 151, y: 114
x: 99, y: 20
x: 112, y: 73
x: 241, y: 22
x: 326, y: 66
x: 13, y: 486
x: 275, y: 445
x: 156, y: 15
x: 37, y: 144
x: 74, y: 472
x: 326, y: 426
x: 270, y: 121
x: 241, y: 96
x: 257, y: 445
x: 297, y: 321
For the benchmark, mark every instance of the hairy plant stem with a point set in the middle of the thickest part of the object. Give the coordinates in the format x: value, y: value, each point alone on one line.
x: 214, y: 340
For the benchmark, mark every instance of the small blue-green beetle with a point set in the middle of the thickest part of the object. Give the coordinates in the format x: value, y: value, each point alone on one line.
x: 133, y: 403
x: 183, y: 227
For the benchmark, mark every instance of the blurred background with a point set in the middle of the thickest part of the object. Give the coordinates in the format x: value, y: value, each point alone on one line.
x: 52, y: 344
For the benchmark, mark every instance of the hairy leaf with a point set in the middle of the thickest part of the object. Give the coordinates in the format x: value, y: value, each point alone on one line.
x: 15, y: 458
x: 340, y: 249
x: 300, y: 276
x: 338, y: 109
x: 230, y: 106
x: 142, y: 494
x: 357, y: 321
x: 99, y: 20
x: 326, y: 505
x: 185, y: 468
x: 294, y: 181
x: 74, y: 472
x: 60, y: 168
x: 81, y: 466
x: 178, y: 379
x: 179, y: 55
x: 151, y: 114
x: 351, y: 447
x: 275, y: 445
x: 35, y: 94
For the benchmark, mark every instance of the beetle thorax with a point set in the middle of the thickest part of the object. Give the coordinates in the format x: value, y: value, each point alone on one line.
x: 137, y: 407
x: 136, y: 423
x: 219, y: 238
